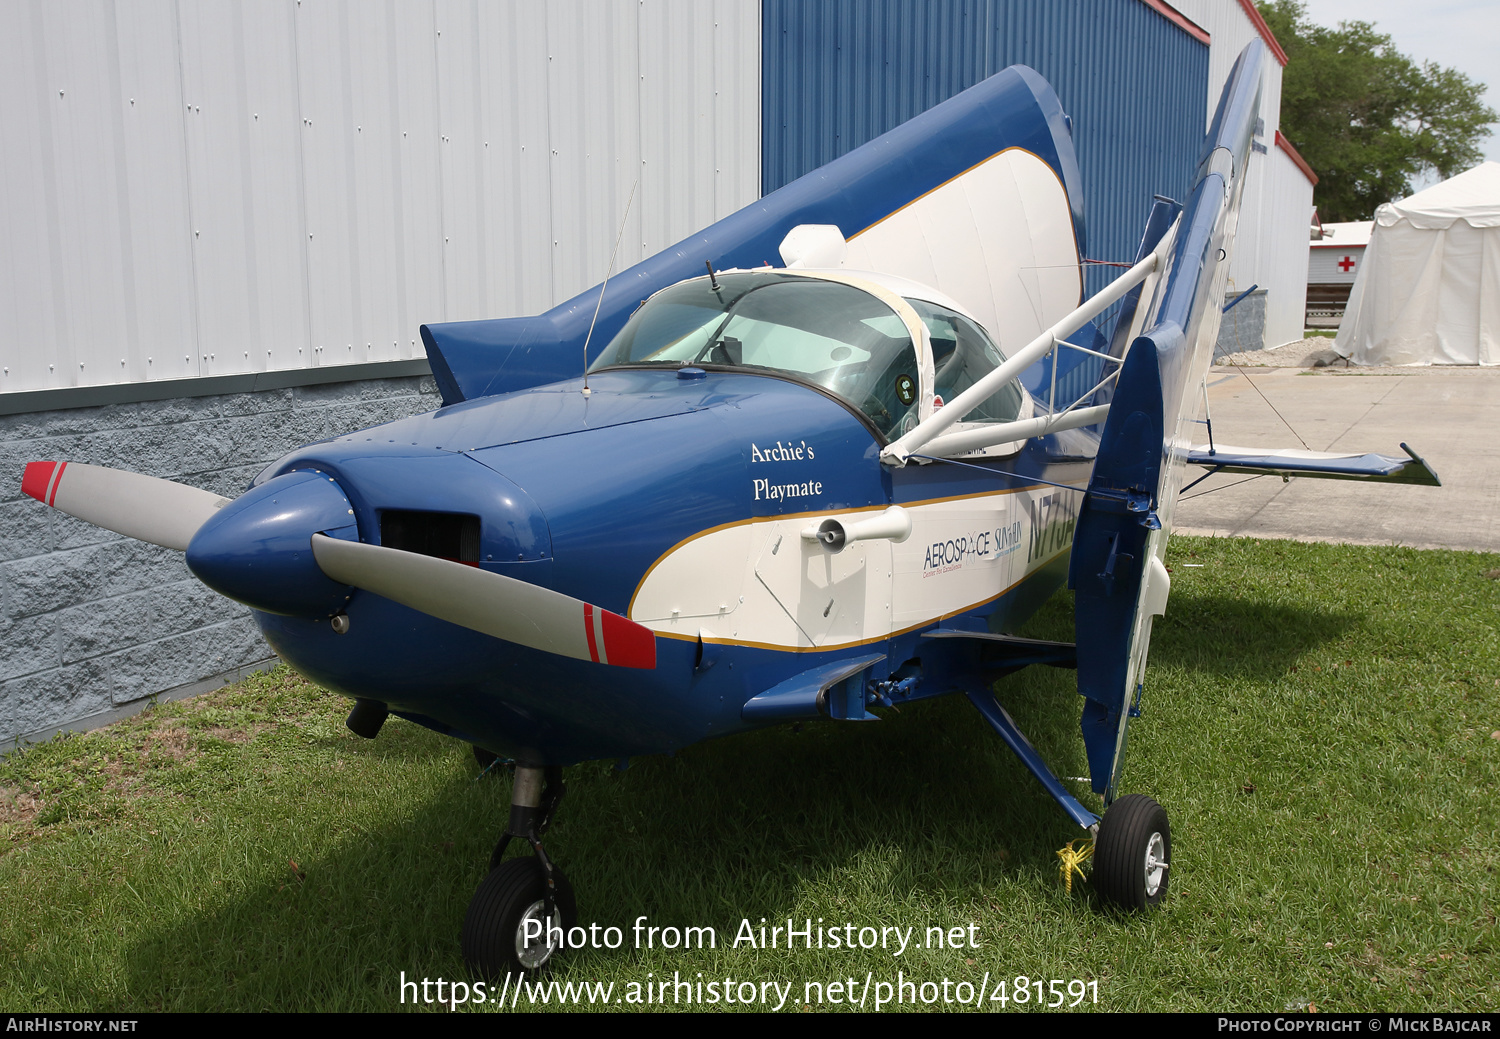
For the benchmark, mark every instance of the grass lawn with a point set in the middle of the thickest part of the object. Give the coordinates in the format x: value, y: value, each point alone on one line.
x: 1321, y: 722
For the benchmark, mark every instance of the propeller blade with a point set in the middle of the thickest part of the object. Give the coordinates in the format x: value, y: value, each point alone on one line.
x: 504, y: 607
x: 142, y: 507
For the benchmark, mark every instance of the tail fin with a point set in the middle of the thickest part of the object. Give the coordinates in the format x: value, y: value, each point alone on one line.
x: 1013, y: 109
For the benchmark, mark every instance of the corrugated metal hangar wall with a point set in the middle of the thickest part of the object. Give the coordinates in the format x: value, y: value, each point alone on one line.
x: 198, y: 189
x: 223, y: 223
x: 1272, y: 245
x: 1138, y: 79
x: 1135, y: 85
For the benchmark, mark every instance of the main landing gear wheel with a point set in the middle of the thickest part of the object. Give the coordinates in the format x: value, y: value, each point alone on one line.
x: 1131, y: 853
x: 496, y: 938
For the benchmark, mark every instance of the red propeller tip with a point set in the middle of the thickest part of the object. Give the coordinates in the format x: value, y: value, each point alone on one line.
x: 615, y: 640
x: 38, y: 481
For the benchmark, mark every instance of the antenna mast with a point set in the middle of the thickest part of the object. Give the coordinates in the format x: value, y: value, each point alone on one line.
x: 604, y: 286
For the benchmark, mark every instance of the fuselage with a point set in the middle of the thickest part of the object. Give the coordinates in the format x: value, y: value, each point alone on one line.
x: 677, y: 499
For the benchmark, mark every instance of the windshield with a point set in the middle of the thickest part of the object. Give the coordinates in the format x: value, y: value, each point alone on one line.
x: 962, y: 354
x: 830, y: 334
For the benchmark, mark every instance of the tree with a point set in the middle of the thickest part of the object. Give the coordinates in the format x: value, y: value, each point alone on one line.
x: 1366, y: 118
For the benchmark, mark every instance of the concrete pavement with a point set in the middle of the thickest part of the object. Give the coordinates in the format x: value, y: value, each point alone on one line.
x: 1450, y: 416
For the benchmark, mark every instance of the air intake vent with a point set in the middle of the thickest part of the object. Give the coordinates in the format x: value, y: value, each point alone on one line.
x: 447, y: 535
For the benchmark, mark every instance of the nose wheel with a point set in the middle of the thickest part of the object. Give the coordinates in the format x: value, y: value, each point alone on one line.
x: 509, y: 928
x: 522, y: 910
x: 1132, y: 853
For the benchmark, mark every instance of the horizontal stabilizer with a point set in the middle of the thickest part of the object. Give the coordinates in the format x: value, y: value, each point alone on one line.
x: 1321, y: 464
x: 798, y: 696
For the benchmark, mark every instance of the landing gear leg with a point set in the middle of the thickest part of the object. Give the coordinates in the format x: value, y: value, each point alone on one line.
x: 521, y: 911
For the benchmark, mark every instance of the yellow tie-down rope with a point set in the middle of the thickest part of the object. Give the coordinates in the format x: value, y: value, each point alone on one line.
x: 1073, y: 859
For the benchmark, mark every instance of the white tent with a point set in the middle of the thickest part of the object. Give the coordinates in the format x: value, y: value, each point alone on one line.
x: 1428, y: 291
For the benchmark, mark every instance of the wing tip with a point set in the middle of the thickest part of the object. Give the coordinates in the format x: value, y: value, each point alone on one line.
x: 1433, y: 479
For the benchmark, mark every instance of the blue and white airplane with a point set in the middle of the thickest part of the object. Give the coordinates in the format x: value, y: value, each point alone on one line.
x: 825, y: 455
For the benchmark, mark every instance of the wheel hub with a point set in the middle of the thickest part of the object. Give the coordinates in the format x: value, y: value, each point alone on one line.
x: 1156, y: 864
x: 532, y: 954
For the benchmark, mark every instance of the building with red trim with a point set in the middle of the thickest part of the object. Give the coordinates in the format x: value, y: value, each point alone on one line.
x: 1333, y: 264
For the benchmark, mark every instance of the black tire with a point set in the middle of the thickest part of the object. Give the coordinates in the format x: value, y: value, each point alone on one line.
x: 484, y: 758
x: 1134, y: 827
x: 493, y: 940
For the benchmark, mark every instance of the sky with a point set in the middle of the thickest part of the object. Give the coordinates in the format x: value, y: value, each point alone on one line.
x: 1457, y: 34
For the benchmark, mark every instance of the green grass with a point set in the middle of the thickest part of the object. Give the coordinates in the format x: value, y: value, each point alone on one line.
x: 1318, y: 721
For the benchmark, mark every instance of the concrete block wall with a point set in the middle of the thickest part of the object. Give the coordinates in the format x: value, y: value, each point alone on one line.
x: 1244, y: 327
x: 90, y: 621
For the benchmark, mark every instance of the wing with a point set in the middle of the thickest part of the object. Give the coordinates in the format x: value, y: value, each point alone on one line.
x: 1117, y: 571
x: 1327, y: 465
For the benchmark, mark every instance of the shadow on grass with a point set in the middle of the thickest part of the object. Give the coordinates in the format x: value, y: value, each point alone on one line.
x: 841, y: 821
x: 1229, y: 636
x: 901, y: 821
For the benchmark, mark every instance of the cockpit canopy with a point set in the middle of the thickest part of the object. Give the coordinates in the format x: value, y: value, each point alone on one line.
x: 831, y: 334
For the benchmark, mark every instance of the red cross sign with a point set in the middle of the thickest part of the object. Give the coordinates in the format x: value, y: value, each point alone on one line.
x: 1346, y: 264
